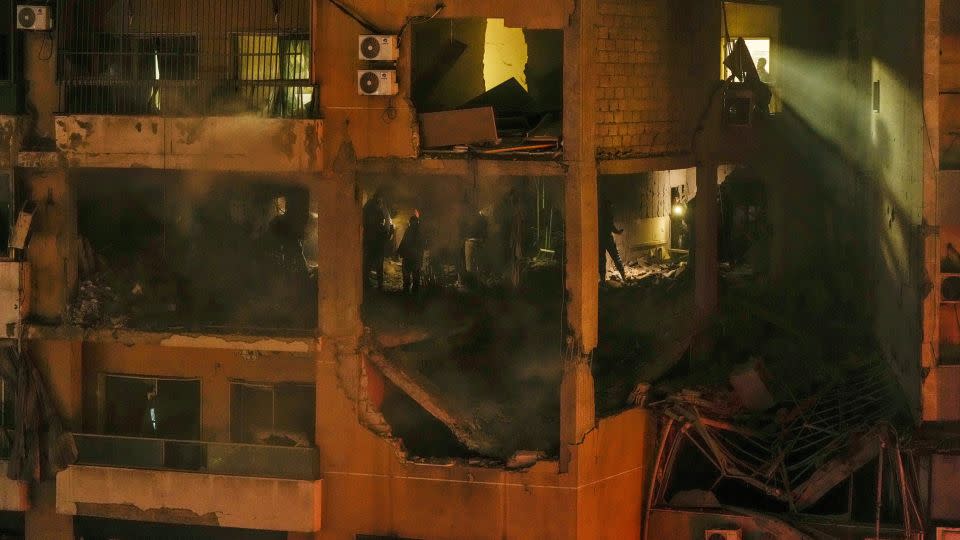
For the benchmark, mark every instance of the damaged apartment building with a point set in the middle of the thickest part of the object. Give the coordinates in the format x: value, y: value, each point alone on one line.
x: 355, y: 269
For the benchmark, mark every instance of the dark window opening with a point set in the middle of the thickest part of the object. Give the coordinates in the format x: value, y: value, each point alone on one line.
x: 187, y: 57
x: 464, y: 290
x: 461, y: 64
x: 277, y: 414
x: 151, y: 407
x: 161, y: 250
x: 93, y: 528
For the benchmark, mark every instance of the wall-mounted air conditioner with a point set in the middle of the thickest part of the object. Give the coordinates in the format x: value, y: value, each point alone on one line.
x: 34, y: 17
x: 377, y: 82
x: 374, y: 48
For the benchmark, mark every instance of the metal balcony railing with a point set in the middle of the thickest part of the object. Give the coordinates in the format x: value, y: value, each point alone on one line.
x: 294, y: 463
x: 185, y: 57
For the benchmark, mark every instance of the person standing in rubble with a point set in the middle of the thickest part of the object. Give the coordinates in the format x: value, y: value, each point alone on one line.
x: 378, y: 233
x: 411, y: 254
x: 607, y: 244
x: 475, y: 238
x: 515, y: 240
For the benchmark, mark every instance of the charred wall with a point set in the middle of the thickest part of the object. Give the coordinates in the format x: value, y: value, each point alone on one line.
x: 853, y: 172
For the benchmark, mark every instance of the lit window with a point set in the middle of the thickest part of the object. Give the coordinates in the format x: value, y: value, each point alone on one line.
x: 759, y: 51
x: 276, y: 58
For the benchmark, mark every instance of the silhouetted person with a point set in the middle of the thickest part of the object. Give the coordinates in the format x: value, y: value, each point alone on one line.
x: 411, y: 254
x: 378, y: 232
x: 607, y: 243
x: 515, y: 240
x: 475, y: 238
x: 762, y: 70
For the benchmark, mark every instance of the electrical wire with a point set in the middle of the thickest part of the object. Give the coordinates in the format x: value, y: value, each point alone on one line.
x: 360, y: 20
x: 418, y: 20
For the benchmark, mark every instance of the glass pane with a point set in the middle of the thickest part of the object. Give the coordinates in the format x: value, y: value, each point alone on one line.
x: 258, y: 57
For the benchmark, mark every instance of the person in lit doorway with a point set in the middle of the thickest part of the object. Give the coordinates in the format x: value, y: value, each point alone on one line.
x: 762, y: 70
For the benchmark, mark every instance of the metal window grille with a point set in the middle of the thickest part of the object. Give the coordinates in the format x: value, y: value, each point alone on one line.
x: 185, y: 57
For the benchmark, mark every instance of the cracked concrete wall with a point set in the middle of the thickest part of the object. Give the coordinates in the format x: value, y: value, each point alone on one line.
x: 863, y: 169
x: 208, y: 143
x: 52, y: 250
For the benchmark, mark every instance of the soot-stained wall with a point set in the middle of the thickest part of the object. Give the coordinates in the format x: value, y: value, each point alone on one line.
x: 845, y: 180
x: 164, y: 250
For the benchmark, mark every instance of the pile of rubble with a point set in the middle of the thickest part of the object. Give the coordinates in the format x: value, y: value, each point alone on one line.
x: 93, y: 306
x: 644, y: 270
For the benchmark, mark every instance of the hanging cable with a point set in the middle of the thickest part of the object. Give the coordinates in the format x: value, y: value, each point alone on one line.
x: 368, y: 26
x: 419, y: 20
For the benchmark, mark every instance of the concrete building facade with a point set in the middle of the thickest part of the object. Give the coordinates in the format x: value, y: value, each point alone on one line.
x: 641, y: 104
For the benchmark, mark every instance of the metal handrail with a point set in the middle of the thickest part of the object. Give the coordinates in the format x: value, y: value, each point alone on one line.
x: 236, y: 459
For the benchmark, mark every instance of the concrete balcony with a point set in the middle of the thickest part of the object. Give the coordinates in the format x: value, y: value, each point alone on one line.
x: 213, y: 143
x: 193, y: 483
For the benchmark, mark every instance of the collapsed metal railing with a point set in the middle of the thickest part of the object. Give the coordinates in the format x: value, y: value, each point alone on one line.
x: 798, y: 455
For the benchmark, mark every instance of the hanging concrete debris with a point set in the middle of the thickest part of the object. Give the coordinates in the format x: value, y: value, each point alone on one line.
x: 41, y: 444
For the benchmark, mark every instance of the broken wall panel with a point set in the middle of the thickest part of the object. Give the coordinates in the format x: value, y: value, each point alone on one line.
x: 163, y: 250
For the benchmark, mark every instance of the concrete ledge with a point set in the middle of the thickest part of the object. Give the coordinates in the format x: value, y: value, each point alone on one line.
x: 14, y: 494
x: 240, y: 342
x: 190, y: 498
x: 220, y: 143
x: 646, y: 164
x: 460, y: 167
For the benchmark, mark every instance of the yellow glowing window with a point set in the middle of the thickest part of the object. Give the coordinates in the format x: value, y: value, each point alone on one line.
x: 274, y: 57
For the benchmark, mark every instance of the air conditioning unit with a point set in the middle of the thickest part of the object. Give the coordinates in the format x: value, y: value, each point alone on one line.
x: 375, y: 48
x: 377, y: 82
x: 32, y: 17
x: 722, y: 534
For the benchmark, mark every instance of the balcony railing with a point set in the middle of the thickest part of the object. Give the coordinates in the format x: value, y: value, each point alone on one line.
x: 295, y: 463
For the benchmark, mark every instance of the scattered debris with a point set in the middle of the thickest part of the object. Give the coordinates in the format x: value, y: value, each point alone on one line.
x: 748, y: 383
x: 523, y: 459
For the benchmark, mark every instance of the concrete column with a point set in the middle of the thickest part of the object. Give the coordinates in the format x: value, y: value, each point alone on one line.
x: 577, y: 407
x: 52, y: 251
x: 40, y: 70
x: 42, y: 522
x: 60, y: 365
x: 706, y: 226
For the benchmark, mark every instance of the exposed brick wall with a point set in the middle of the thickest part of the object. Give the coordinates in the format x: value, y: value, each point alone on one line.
x: 649, y: 76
